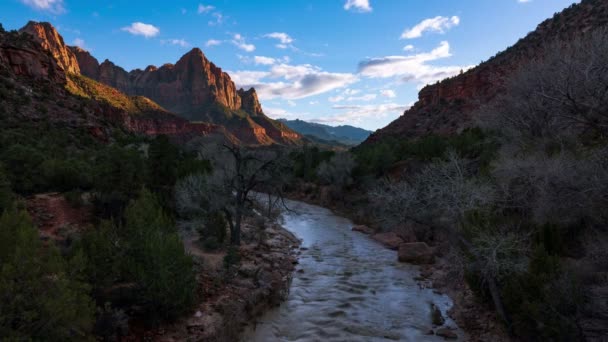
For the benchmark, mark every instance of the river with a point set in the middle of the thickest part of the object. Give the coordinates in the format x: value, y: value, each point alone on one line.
x: 347, y: 287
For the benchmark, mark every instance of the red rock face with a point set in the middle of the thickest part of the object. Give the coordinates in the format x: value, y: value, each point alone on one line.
x: 31, y: 63
x: 197, y: 90
x: 50, y: 40
x: 447, y: 107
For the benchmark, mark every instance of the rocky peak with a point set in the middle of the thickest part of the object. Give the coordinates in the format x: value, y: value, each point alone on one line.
x: 250, y: 102
x: 89, y: 66
x: 50, y: 40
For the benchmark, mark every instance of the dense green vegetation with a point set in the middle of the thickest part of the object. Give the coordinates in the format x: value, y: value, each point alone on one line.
x: 146, y: 255
x: 44, y: 294
x: 133, y: 258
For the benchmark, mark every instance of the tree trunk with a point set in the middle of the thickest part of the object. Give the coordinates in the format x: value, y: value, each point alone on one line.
x: 235, y: 238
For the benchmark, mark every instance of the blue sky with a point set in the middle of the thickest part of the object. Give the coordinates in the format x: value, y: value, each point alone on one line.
x: 358, y: 62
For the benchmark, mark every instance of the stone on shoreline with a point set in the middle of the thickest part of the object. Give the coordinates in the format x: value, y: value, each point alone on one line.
x: 391, y: 240
x: 417, y: 253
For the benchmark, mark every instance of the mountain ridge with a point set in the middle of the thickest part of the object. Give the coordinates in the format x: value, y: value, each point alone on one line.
x: 344, y: 134
x: 446, y: 107
x: 195, y: 89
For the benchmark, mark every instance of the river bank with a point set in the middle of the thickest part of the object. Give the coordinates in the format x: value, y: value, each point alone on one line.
x: 444, y: 276
x: 229, y: 301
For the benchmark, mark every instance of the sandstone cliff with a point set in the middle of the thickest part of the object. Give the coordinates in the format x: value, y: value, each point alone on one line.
x: 197, y: 90
x: 447, y: 107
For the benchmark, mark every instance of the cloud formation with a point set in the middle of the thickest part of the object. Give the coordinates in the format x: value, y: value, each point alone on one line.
x: 204, y: 8
x: 388, y: 93
x: 141, y: 29
x: 356, y: 113
x: 79, y: 42
x: 291, y: 82
x: 285, y: 41
x: 263, y: 60
x: 52, y: 6
x: 412, y: 68
x: 358, y: 5
x: 239, y: 41
x: 213, y: 42
x: 438, y: 24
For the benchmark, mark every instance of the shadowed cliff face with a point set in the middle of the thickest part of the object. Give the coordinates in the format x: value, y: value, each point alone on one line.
x: 447, y: 107
x: 195, y: 89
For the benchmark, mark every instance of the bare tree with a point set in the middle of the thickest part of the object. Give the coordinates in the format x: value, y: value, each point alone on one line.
x: 338, y: 170
x: 561, y: 94
x: 440, y: 196
x: 237, y: 173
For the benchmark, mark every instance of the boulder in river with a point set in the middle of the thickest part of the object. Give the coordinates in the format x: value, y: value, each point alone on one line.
x: 391, y: 240
x: 446, y: 333
x: 417, y: 253
x: 363, y: 229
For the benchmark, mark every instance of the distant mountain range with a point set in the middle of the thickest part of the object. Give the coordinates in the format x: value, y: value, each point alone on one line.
x: 347, y: 135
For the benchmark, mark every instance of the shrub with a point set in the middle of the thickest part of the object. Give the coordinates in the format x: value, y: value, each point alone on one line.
x: 210, y: 243
x: 148, y: 252
x: 6, y: 195
x: 215, y: 226
x: 44, y: 297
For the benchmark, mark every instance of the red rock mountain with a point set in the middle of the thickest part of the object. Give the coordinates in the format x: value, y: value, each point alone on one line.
x: 36, y: 62
x: 447, y: 107
x: 195, y: 89
x: 195, y: 96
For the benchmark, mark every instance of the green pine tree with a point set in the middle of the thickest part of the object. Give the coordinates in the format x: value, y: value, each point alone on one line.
x: 42, y: 295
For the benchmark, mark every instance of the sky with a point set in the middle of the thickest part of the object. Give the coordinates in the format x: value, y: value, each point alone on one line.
x: 357, y: 62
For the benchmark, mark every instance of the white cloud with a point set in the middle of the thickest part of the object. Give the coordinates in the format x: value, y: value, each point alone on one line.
x: 356, y: 113
x: 408, y: 47
x: 204, y: 9
x: 218, y: 19
x: 388, y: 93
x: 358, y: 5
x: 291, y: 103
x: 261, y: 60
x: 213, y: 42
x: 80, y: 43
x: 412, y: 68
x: 239, y: 41
x: 179, y: 42
x: 338, y: 98
x: 292, y: 82
x: 279, y: 113
x: 283, y: 37
x: 285, y: 41
x: 438, y: 24
x: 141, y: 29
x: 523, y: 1
x: 53, y: 6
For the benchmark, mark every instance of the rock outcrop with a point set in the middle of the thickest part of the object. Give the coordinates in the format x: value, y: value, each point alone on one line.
x: 50, y: 40
x: 197, y: 90
x: 447, y: 107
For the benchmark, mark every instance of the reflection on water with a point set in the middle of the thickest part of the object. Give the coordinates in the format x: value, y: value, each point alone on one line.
x: 347, y: 288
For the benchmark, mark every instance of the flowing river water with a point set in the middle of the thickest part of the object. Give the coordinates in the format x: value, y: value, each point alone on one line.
x: 347, y: 287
